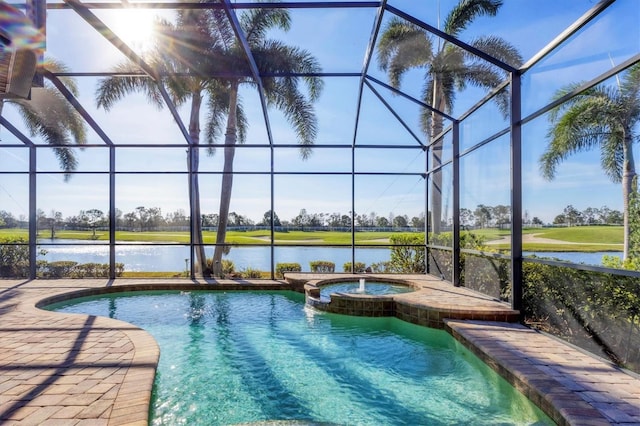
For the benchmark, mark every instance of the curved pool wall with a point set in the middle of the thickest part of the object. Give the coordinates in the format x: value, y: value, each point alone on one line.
x: 411, y: 306
x: 355, y: 304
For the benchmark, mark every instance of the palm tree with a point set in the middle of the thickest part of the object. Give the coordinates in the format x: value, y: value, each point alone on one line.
x: 603, y: 117
x: 49, y: 115
x: 203, y: 44
x: 404, y: 46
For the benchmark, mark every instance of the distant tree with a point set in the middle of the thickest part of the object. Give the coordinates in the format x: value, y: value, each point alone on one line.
x: 483, y: 215
x: 266, y: 219
x: 466, y: 217
x: 590, y: 216
x: 616, y: 217
x: 501, y: 214
x: 400, y: 221
x: 571, y: 215
x: 303, y: 219
x: 130, y: 220
x: 54, y: 219
x: 93, y: 218
x: 177, y: 218
x: 537, y: 221
x: 142, y: 217
x: 603, y: 214
x: 418, y: 221
x: 382, y: 222
x: 560, y: 220
x: 7, y: 220
x: 210, y: 220
x: 334, y: 220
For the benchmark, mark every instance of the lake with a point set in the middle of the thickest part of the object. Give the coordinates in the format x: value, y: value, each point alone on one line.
x: 171, y: 258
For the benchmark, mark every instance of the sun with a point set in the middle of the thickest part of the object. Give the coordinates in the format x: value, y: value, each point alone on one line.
x: 135, y: 28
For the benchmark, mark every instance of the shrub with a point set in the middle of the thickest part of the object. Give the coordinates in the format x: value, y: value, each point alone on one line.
x: 381, y: 267
x: 14, y: 258
x: 58, y: 269
x: 281, y: 268
x: 407, y: 254
x: 228, y: 266
x: 597, y: 311
x: 251, y: 273
x: 358, y: 267
x: 322, y: 266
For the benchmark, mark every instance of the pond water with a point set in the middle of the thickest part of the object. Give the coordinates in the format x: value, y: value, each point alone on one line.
x: 171, y: 258
x: 250, y: 357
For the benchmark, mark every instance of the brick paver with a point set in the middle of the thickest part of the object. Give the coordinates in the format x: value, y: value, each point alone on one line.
x: 572, y: 386
x: 63, y: 369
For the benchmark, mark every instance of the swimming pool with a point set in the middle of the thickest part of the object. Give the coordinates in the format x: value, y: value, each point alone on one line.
x: 242, y: 357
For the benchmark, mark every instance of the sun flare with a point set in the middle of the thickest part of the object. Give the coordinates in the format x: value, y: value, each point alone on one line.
x: 135, y: 28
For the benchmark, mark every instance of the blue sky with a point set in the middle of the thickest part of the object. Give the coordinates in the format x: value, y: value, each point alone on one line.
x: 338, y: 38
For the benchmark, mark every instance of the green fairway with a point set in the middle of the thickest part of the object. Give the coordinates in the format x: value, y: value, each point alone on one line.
x: 578, y: 238
x: 585, y: 234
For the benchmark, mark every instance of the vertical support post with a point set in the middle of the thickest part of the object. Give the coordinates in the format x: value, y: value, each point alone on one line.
x: 192, y: 209
x: 33, y: 218
x: 427, y: 219
x: 456, y: 270
x: 273, y: 214
x: 353, y: 207
x: 516, y: 192
x: 112, y: 212
x: 37, y: 13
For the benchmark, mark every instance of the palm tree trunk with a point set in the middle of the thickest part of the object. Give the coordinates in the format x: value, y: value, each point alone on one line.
x: 230, y: 140
x: 436, y: 161
x: 194, y: 160
x: 628, y: 173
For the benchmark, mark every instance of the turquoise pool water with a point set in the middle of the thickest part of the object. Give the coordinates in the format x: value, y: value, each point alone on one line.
x: 242, y: 357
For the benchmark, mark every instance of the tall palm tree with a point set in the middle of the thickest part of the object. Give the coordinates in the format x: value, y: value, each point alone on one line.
x: 603, y: 117
x: 49, y: 115
x: 203, y: 44
x: 404, y: 46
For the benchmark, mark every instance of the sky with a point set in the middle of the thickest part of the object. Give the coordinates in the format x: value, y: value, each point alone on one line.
x: 338, y: 38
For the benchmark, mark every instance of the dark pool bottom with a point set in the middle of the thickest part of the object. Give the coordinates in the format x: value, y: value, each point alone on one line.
x: 264, y: 358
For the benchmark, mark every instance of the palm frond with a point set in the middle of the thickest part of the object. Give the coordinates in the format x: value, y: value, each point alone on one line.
x: 55, y: 66
x: 275, y: 57
x: 578, y: 129
x: 49, y: 116
x: 256, y: 22
x: 401, y: 47
x: 217, y: 110
x: 498, y: 48
x: 466, y: 11
x: 298, y: 111
x: 112, y: 89
x: 612, y: 156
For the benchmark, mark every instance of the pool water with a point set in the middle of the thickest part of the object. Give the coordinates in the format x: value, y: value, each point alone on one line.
x: 370, y: 288
x: 243, y: 357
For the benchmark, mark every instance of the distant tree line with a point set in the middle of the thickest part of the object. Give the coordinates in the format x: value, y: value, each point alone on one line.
x: 571, y: 216
x: 151, y: 218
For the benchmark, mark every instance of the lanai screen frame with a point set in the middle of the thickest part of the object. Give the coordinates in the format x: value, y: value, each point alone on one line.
x: 514, y: 129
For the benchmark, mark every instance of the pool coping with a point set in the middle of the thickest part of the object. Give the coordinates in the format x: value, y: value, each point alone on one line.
x: 40, y: 386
